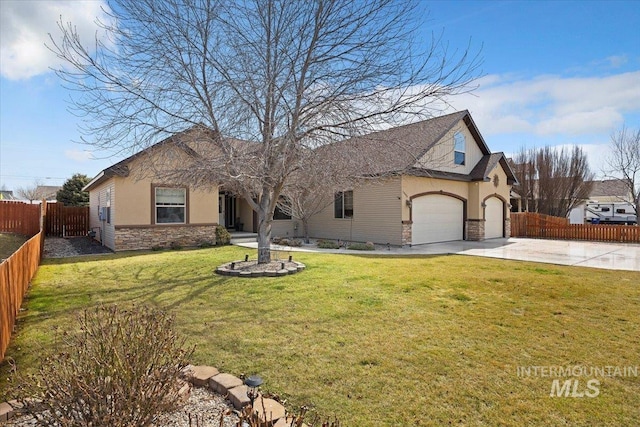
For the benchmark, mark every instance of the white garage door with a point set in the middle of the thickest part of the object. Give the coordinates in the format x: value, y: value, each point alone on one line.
x: 494, y: 218
x: 437, y: 218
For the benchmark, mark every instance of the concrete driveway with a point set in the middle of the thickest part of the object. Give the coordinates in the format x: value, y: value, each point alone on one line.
x: 611, y: 256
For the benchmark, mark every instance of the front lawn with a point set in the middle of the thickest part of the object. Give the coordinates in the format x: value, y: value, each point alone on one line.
x: 378, y: 340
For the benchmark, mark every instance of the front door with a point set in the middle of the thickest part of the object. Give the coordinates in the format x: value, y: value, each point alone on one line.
x: 229, y: 211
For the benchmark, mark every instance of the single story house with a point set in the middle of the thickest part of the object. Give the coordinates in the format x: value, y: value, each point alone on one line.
x: 431, y: 181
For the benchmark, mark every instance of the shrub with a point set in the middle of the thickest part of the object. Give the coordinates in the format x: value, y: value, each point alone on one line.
x: 361, y: 246
x: 157, y: 248
x: 328, y: 244
x: 222, y: 236
x: 176, y: 246
x: 295, y: 243
x: 121, y: 369
x: 205, y: 244
x: 276, y: 240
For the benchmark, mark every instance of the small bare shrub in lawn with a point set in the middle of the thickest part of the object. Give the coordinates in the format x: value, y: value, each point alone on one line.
x: 223, y: 237
x: 328, y: 244
x: 121, y: 368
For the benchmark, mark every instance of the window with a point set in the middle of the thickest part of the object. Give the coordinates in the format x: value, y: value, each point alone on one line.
x: 343, y: 204
x: 458, y: 148
x: 621, y: 210
x: 108, y: 210
x: 170, y: 205
x: 604, y: 209
x: 279, y: 213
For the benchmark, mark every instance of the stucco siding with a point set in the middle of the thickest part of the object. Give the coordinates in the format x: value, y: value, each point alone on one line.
x: 413, y: 186
x: 441, y: 156
x: 376, y: 215
x: 283, y: 228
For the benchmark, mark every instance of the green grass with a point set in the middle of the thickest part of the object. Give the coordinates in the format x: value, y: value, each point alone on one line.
x: 376, y: 340
x: 9, y: 243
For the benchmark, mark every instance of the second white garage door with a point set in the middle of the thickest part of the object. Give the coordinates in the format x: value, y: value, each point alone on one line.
x: 437, y: 218
x: 494, y: 218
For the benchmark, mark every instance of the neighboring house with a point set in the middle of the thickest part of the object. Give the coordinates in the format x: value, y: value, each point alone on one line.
x: 7, y: 195
x: 610, y: 191
x: 47, y: 192
x: 431, y: 181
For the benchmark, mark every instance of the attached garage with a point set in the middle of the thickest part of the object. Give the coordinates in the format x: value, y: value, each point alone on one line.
x: 437, y: 218
x: 494, y: 218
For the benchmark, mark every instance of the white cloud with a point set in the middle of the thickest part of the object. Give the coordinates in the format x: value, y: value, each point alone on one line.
x: 552, y: 105
x: 79, y: 155
x: 25, y: 27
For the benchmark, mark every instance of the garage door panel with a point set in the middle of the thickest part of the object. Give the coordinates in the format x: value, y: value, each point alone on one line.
x: 494, y: 218
x: 437, y: 218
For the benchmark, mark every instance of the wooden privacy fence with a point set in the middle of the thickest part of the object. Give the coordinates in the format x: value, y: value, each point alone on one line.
x: 533, y: 225
x: 15, y: 274
x: 19, y: 217
x: 66, y: 221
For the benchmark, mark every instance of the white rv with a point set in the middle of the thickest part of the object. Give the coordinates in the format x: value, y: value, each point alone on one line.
x: 594, y: 212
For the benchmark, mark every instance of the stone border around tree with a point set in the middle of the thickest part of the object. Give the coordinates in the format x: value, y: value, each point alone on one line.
x: 247, y: 269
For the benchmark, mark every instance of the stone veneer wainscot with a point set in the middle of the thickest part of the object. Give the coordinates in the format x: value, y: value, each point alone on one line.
x: 136, y: 237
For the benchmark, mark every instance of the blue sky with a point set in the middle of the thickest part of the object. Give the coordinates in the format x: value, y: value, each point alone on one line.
x: 554, y: 73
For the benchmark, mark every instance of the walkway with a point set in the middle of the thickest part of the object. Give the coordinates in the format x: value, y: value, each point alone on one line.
x: 611, y: 256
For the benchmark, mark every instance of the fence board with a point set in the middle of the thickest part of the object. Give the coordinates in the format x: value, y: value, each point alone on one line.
x: 533, y: 225
x: 19, y: 217
x: 66, y: 221
x: 16, y: 273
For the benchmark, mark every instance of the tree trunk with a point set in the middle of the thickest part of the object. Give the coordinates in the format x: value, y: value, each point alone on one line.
x: 265, y: 218
x: 305, y: 229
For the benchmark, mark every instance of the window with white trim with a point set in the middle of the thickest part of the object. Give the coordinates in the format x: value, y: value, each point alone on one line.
x: 343, y: 204
x: 458, y: 148
x: 170, y: 205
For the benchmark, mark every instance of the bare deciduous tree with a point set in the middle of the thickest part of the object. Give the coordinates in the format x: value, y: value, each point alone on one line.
x: 284, y: 75
x: 624, y: 161
x: 553, y: 181
x: 32, y: 192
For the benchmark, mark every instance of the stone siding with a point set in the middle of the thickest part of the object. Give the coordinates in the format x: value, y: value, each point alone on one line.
x: 135, y: 238
x: 406, y: 233
x: 507, y: 227
x: 475, y: 229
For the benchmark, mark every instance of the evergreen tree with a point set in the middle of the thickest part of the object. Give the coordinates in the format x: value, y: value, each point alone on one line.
x: 71, y: 193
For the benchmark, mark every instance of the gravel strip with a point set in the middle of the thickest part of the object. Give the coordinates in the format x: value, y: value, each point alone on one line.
x: 58, y: 247
x: 204, y: 407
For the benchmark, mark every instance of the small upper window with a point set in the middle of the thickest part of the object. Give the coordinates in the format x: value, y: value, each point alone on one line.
x: 604, y: 209
x: 458, y: 148
x: 343, y: 204
x: 621, y: 210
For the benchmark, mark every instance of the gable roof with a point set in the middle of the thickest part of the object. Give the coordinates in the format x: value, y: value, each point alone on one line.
x: 48, y: 192
x: 390, y: 151
x: 609, y: 188
x: 121, y: 168
x: 396, y: 150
